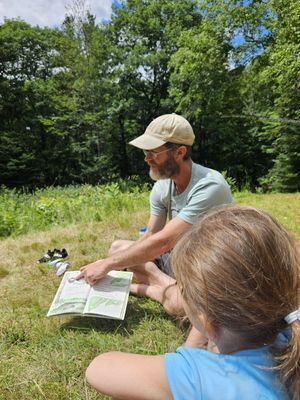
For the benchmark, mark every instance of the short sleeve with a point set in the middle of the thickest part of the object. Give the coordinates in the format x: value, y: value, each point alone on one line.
x: 183, y: 382
x: 197, y: 374
x: 204, y: 196
x: 159, y: 199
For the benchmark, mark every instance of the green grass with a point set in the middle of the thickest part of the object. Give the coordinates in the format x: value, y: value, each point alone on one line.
x: 22, y: 213
x: 284, y: 207
x: 45, y: 358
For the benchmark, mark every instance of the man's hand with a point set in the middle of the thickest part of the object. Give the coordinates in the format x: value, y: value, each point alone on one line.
x: 94, y: 271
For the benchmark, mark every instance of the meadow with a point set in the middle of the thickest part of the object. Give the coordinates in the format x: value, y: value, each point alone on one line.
x: 45, y: 358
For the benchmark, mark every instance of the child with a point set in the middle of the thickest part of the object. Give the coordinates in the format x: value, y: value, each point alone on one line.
x: 238, y: 272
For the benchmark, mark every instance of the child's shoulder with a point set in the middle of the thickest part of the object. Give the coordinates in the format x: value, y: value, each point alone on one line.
x: 238, y: 376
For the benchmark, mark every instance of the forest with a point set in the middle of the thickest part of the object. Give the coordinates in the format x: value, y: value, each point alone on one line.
x: 73, y: 96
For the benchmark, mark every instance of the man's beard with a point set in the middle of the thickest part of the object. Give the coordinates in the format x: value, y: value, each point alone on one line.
x: 166, y: 170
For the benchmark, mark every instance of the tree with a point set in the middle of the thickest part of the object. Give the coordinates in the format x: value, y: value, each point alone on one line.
x: 27, y: 60
x: 283, y: 76
x: 80, y: 102
x: 144, y: 36
x: 72, y: 98
x: 216, y: 81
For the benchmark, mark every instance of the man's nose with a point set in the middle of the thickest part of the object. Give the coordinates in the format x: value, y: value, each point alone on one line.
x: 148, y: 156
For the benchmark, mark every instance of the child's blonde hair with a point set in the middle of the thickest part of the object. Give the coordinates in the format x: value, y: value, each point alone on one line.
x: 240, y: 268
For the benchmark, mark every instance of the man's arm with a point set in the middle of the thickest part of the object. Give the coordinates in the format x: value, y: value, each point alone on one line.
x: 140, y: 252
x: 156, y: 223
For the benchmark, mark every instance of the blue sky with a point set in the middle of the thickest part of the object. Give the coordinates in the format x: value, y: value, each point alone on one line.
x: 50, y: 12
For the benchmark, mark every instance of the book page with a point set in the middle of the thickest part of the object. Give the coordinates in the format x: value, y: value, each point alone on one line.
x: 71, y: 296
x: 109, y: 296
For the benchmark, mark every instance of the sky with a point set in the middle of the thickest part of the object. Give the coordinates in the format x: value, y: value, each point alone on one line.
x: 49, y: 13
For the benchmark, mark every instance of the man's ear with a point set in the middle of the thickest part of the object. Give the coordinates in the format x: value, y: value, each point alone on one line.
x: 181, y: 152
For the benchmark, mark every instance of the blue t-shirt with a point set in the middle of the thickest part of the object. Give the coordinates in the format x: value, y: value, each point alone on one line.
x: 197, y: 374
x: 207, y: 188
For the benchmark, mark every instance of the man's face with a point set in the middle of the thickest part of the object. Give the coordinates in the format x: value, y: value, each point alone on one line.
x: 162, y: 163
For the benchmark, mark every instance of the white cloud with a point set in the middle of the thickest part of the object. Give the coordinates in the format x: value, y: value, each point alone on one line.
x: 49, y: 12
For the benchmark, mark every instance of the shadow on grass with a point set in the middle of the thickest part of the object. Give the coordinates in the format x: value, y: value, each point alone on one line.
x: 138, y: 309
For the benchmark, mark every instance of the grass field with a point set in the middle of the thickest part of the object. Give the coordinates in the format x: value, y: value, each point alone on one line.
x: 45, y: 358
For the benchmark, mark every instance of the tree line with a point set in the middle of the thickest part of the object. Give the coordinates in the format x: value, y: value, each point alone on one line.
x: 71, y: 98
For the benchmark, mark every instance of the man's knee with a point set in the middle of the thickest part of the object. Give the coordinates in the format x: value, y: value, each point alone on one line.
x: 119, y: 245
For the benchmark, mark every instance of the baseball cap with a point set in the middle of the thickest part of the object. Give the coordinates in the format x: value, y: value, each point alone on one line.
x: 167, y: 128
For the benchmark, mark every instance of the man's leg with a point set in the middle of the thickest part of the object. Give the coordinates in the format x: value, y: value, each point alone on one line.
x: 152, y: 282
x: 158, y: 286
x: 119, y: 245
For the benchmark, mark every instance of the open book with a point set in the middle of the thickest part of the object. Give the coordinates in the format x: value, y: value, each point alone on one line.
x: 107, y: 298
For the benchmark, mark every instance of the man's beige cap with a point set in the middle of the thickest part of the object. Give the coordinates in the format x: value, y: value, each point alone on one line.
x: 166, y: 128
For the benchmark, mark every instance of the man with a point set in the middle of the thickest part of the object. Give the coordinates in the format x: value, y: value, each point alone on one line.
x: 184, y: 190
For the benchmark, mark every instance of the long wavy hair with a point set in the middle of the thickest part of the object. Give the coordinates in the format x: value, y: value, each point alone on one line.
x: 240, y: 268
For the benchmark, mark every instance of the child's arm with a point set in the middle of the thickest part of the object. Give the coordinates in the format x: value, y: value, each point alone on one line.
x: 129, y: 376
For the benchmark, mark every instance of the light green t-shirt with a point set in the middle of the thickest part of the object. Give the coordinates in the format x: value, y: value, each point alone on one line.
x: 207, y: 188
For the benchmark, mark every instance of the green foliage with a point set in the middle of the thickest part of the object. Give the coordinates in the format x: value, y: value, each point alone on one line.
x: 144, y: 36
x: 28, y: 60
x: 216, y: 81
x: 283, y: 73
x: 72, y: 98
x: 207, y: 90
x: 23, y: 212
x: 231, y: 181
